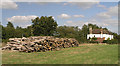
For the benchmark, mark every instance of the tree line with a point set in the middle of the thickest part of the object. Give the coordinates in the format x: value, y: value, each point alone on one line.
x: 47, y: 26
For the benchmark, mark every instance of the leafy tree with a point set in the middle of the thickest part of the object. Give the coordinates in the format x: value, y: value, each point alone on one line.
x: 68, y: 32
x: 10, y: 25
x: 85, y: 31
x: 94, y: 26
x: 118, y: 38
x: 105, y: 29
x: 23, y: 32
x: 9, y: 31
x: 1, y: 32
x: 44, y: 26
x: 47, y: 26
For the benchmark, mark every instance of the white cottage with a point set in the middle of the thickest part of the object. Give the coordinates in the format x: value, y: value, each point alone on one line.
x: 100, y: 34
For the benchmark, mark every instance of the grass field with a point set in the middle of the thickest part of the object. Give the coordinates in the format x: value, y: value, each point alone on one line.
x: 84, y: 54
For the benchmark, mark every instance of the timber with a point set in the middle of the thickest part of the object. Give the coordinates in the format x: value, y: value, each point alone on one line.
x: 39, y: 44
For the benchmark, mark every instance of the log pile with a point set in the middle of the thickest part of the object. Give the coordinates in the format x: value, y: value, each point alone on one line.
x: 39, y: 44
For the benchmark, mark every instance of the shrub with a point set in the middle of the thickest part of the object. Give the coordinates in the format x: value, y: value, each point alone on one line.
x: 105, y: 41
x: 94, y: 38
x: 5, y: 40
x: 113, y: 41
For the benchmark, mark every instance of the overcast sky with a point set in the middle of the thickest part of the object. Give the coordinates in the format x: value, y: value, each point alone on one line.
x: 103, y: 14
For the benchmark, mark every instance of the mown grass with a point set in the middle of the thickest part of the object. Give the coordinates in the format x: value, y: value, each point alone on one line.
x: 85, y: 54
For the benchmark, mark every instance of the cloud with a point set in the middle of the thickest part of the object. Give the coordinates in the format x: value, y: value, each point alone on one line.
x: 9, y: 4
x: 111, y: 12
x: 82, y: 16
x: 81, y: 23
x: 22, y: 21
x: 69, y: 21
x: 74, y: 23
x: 64, y: 16
x: 80, y: 3
x: 101, y: 6
x: 55, y: 0
x: 65, y: 0
x: 83, y: 4
x: 109, y: 23
x: 53, y: 17
x: 109, y: 18
x: 94, y: 21
x: 105, y: 23
x: 103, y: 15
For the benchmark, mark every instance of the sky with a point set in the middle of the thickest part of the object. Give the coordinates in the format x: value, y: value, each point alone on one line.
x: 104, y: 14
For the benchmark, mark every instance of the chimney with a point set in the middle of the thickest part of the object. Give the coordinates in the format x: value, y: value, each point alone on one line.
x: 90, y: 30
x: 101, y: 31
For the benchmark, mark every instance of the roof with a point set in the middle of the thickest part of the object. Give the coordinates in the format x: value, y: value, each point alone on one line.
x: 98, y: 31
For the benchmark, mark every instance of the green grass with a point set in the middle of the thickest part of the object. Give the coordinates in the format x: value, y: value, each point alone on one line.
x: 86, y: 54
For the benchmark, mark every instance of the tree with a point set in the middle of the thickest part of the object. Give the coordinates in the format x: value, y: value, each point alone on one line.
x: 10, y: 25
x: 8, y: 32
x: 94, y: 26
x: 23, y: 32
x: 44, y: 26
x: 1, y: 32
x: 85, y: 31
x: 67, y: 31
x: 118, y: 38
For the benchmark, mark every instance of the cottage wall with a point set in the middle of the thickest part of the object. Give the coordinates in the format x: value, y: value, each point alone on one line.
x: 106, y: 36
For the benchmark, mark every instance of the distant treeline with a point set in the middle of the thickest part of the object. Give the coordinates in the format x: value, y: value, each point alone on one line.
x: 47, y: 26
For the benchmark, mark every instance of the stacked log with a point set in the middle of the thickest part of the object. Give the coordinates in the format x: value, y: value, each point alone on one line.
x: 39, y: 44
